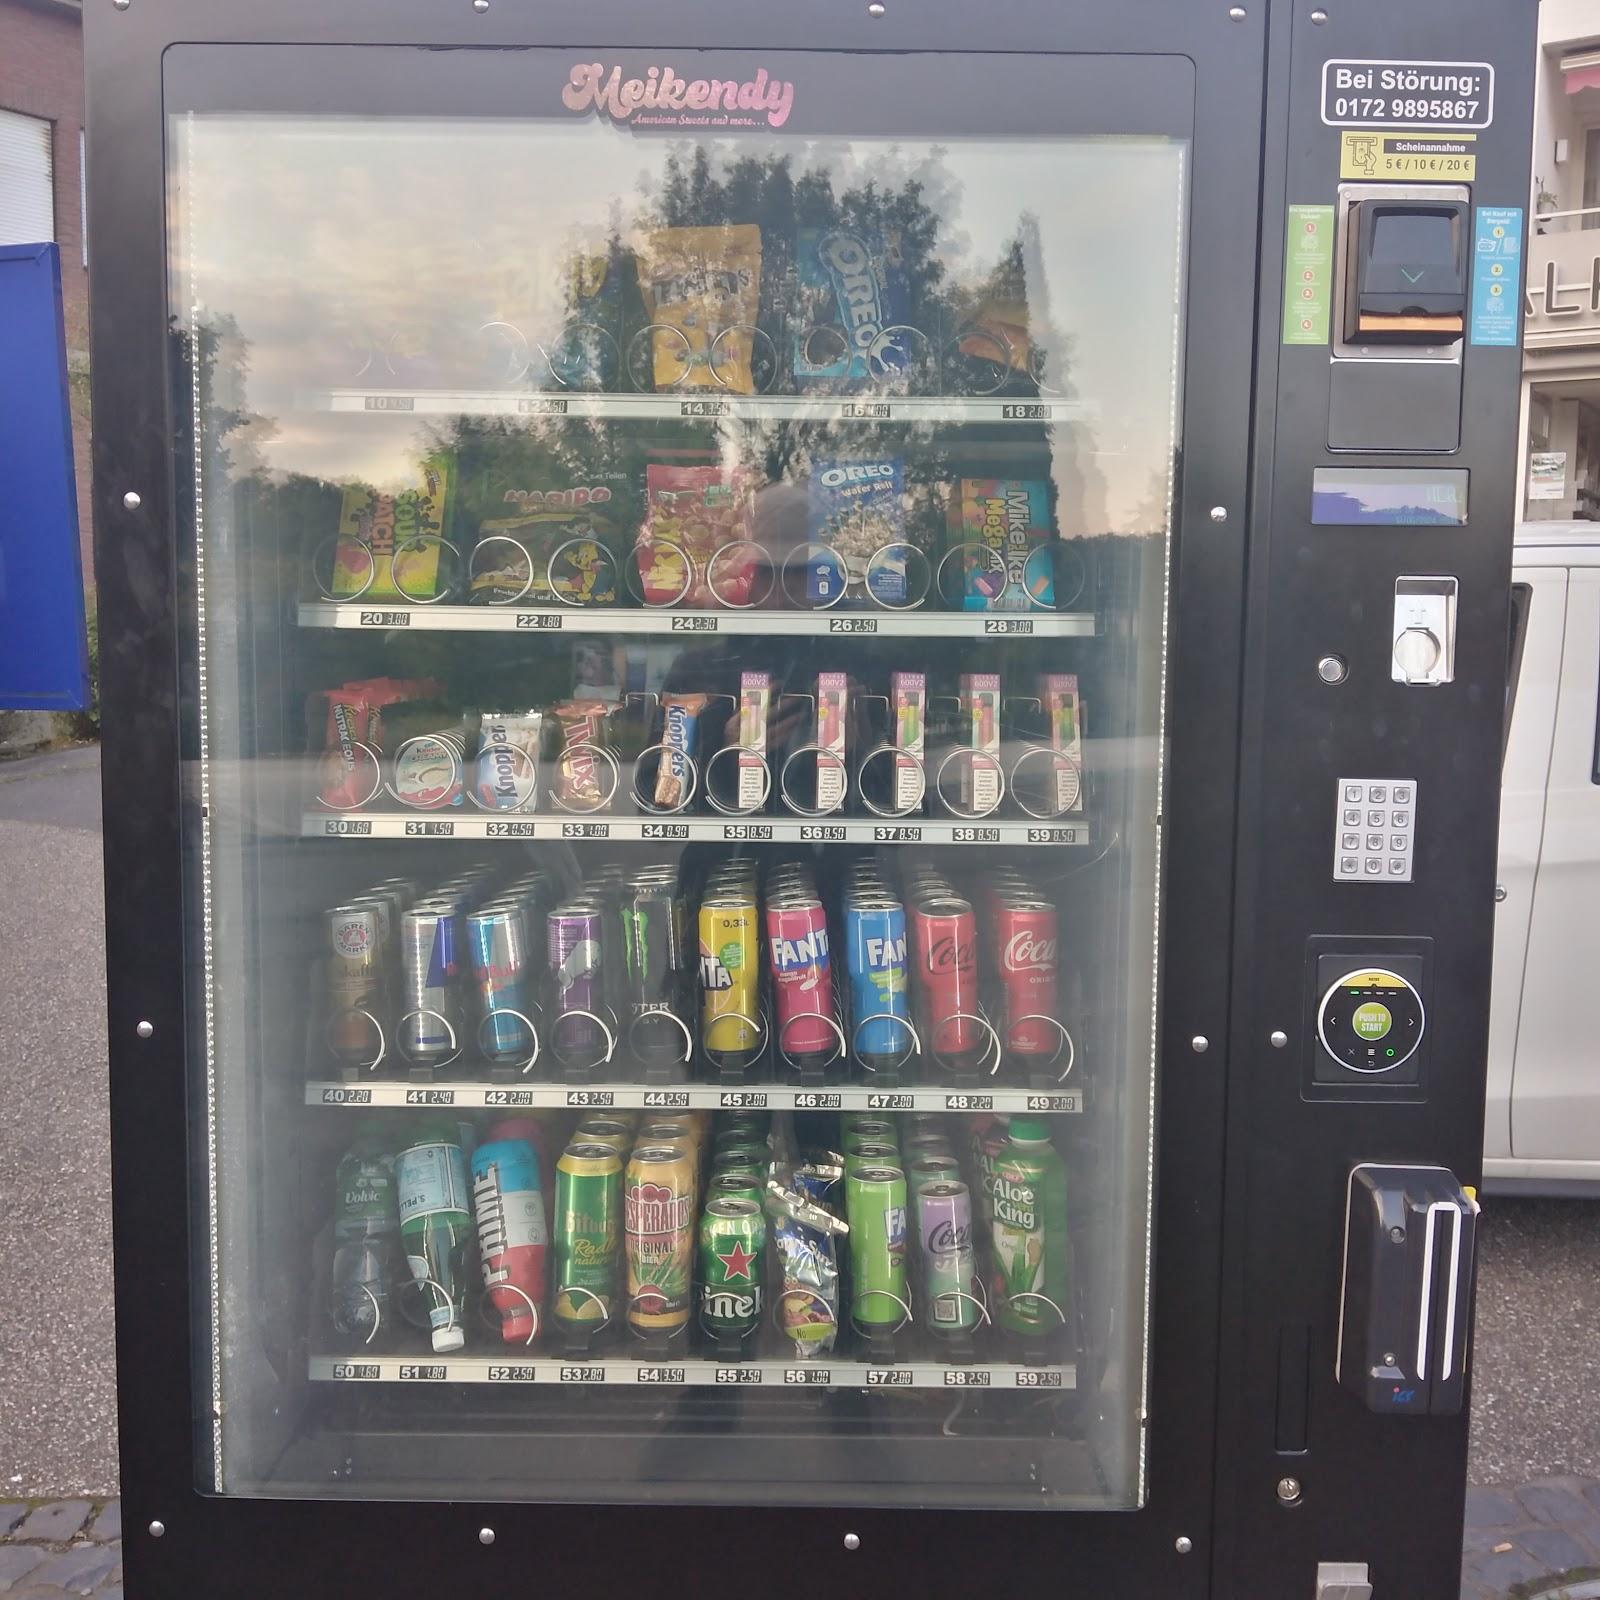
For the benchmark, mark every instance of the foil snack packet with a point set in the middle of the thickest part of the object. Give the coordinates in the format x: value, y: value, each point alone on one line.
x: 580, y: 782
x: 507, y: 775
x: 674, y: 775
x: 400, y: 531
x: 569, y: 533
x: 702, y: 293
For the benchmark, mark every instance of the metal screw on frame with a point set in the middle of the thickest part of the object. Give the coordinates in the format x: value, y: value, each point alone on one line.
x: 1183, y: 1544
x: 485, y: 1535
x: 1236, y: 13
x: 1199, y: 1044
x: 1288, y: 1490
x: 1219, y: 513
x: 131, y: 500
x: 876, y: 9
x: 1499, y: 893
x: 1279, y: 1038
x: 1319, y: 17
x: 156, y: 1528
x: 121, y: 5
x: 1333, y: 669
x: 145, y: 1029
x: 852, y: 1541
x: 480, y: 5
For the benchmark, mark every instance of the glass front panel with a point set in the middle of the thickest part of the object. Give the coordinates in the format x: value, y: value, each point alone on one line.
x: 681, y: 549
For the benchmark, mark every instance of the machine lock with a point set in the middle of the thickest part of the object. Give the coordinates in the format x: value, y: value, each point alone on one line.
x: 1405, y: 1304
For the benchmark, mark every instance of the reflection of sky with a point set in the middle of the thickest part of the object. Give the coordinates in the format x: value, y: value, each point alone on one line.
x: 327, y: 239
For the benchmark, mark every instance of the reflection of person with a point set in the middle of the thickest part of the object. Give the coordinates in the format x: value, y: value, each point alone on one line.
x: 780, y: 519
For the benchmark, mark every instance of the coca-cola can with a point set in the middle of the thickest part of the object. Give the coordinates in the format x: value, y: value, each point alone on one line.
x: 944, y: 937
x: 1026, y: 935
x: 949, y: 1264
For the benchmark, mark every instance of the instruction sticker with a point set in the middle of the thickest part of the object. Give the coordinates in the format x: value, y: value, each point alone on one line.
x: 1433, y: 157
x: 1307, y: 274
x: 1407, y: 94
x: 1496, y: 258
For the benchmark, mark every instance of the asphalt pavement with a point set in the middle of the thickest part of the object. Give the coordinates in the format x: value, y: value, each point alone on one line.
x: 1537, y: 1377
x: 57, y: 1372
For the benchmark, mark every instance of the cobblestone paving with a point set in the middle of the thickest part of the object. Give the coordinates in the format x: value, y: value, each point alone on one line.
x: 1538, y: 1542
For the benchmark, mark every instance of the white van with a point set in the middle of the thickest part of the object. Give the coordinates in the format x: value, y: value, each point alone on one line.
x: 1543, y: 1130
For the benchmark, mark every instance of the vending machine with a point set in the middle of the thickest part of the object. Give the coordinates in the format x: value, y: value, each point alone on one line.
x: 802, y: 720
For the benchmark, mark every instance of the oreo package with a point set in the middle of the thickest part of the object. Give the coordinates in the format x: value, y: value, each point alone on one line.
x: 853, y: 307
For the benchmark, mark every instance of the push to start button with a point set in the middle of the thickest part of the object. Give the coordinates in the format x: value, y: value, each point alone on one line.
x: 1370, y: 1020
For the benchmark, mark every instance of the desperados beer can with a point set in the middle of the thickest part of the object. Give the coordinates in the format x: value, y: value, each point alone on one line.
x: 588, y: 1229
x: 733, y: 1240
x: 658, y: 1205
x: 875, y: 1208
x: 1028, y: 1196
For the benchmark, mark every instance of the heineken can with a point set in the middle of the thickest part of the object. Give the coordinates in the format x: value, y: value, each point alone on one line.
x: 949, y: 1266
x: 587, y: 1228
x: 733, y: 1239
x: 875, y: 1208
x: 736, y: 1184
x: 658, y: 1201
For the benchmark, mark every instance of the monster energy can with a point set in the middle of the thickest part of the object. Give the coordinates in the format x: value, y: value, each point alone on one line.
x: 733, y: 1239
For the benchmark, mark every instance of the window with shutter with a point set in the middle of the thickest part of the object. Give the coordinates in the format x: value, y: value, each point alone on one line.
x: 27, y: 207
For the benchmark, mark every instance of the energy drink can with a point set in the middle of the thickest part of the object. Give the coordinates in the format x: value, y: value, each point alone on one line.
x: 575, y: 957
x: 429, y: 963
x: 498, y: 946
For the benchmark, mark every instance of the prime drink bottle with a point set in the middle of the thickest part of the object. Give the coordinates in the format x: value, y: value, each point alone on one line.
x: 511, y: 1233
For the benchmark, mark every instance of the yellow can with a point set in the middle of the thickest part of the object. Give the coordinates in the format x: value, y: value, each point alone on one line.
x: 730, y: 971
x: 658, y: 1218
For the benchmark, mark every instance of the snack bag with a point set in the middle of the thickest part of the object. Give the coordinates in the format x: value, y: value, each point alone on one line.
x: 673, y: 775
x: 853, y: 307
x: 697, y: 283
x: 857, y: 508
x: 580, y: 782
x: 569, y: 533
x: 508, y: 759
x: 692, y: 514
x: 387, y: 522
x: 1003, y: 525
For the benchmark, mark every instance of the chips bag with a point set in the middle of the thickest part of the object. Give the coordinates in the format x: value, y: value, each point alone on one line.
x: 693, y: 513
x: 394, y: 527
x: 698, y: 282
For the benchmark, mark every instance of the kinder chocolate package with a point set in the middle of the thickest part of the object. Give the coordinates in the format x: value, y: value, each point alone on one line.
x: 698, y: 284
x: 1002, y: 527
x: 570, y: 533
x: 693, y: 516
x: 853, y: 307
x: 401, y: 531
x: 857, y: 508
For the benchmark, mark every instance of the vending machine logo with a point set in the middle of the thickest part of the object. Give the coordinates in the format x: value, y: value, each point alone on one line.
x: 662, y: 98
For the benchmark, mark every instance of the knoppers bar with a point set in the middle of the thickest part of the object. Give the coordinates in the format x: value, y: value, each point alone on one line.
x: 661, y: 89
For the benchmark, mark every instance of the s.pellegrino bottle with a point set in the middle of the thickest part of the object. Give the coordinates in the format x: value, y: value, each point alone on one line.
x: 436, y: 1226
x: 366, y: 1239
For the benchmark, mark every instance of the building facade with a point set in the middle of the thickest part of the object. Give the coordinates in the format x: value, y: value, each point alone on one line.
x: 41, y: 182
x: 1560, y: 470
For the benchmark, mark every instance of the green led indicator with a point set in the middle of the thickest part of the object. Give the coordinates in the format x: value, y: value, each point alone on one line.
x: 1388, y: 1052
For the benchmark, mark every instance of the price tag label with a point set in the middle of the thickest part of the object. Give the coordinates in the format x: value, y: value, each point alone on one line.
x: 389, y: 402
x: 743, y: 1099
x: 585, y: 830
x: 346, y: 1097
x: 346, y: 828
x: 816, y: 1100
x: 356, y: 1371
x: 385, y: 619
x: 965, y: 1378
x: 880, y: 1101
x: 592, y: 1373
x: 664, y: 830
x: 746, y: 830
x: 969, y: 1102
x: 430, y: 1097
x: 975, y: 835
x: 694, y: 624
x: 1053, y: 835
x: 590, y: 1097
x: 1008, y: 625
x: 704, y: 408
x: 666, y: 1099
x: 661, y: 1374
x: 866, y: 411
x: 888, y: 1377
x: 542, y: 408
x: 508, y: 1097
x: 539, y: 622
x: 1036, y: 1378
x: 852, y: 624
x: 738, y: 1374
x: 509, y: 830
x: 429, y: 1372
x: 430, y: 830
x: 1028, y: 412
x: 823, y: 833
x: 897, y: 833
x: 511, y: 1374
x: 812, y: 1377
x: 1055, y: 1102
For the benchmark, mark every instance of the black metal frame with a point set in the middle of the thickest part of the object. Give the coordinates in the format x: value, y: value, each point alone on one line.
x: 146, y: 589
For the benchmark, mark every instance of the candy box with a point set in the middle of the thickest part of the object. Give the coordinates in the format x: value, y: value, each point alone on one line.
x: 1002, y: 530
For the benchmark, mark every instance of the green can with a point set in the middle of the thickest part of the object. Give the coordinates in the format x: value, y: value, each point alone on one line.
x: 925, y: 1169
x: 733, y: 1249
x: 875, y: 1208
x: 749, y: 1154
x: 736, y: 1185
x: 870, y: 1153
x: 742, y: 1126
x: 588, y: 1229
x: 927, y: 1144
x: 869, y: 1126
